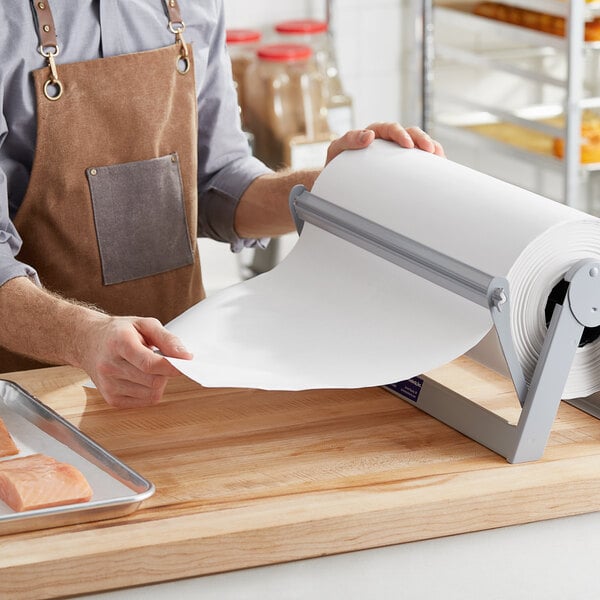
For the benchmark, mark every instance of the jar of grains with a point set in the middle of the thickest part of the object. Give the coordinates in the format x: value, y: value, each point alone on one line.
x: 315, y: 34
x: 242, y: 45
x: 285, y: 107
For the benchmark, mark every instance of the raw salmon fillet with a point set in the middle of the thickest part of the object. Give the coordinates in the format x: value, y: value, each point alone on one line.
x: 7, y: 446
x: 39, y: 481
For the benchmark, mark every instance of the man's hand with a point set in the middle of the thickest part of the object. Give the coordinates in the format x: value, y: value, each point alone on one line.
x: 119, y: 354
x: 263, y: 210
x: 411, y: 137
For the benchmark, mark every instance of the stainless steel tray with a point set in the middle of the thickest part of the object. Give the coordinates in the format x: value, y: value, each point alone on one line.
x: 117, y: 489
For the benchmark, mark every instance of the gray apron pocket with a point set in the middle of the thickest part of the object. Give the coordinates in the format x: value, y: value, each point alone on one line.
x: 140, y: 218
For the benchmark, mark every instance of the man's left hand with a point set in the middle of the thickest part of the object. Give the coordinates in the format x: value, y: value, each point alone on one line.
x: 410, y: 137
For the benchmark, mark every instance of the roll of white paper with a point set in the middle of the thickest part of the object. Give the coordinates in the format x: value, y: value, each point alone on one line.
x: 334, y: 315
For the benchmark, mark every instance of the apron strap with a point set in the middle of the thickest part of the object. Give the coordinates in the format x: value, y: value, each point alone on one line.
x: 48, y: 48
x: 45, y: 25
x: 177, y: 26
x: 47, y: 30
x: 53, y: 88
x: 175, y: 20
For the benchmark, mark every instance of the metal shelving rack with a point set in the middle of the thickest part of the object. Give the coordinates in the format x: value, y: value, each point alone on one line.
x: 573, y: 46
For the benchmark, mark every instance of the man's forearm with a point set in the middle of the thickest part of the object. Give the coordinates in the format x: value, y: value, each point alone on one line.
x: 41, y: 325
x: 263, y: 209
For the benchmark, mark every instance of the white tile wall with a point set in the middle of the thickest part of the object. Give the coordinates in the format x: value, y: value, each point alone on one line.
x: 263, y: 13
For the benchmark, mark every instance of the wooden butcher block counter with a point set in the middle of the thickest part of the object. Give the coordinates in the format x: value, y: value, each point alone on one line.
x: 247, y: 478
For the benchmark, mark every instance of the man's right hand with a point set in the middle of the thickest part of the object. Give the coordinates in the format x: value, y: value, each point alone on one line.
x: 120, y: 355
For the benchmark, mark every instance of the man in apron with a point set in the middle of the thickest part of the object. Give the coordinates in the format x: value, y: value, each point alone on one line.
x: 120, y: 144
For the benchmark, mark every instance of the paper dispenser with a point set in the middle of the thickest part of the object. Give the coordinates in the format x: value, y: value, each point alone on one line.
x: 407, y: 261
x: 539, y: 399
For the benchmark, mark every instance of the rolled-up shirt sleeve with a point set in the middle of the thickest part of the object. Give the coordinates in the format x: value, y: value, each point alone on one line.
x: 10, y: 241
x: 225, y: 164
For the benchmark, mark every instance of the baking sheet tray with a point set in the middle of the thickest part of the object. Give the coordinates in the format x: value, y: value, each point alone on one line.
x: 117, y: 489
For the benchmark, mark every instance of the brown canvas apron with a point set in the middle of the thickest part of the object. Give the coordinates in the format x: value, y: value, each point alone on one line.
x: 109, y: 217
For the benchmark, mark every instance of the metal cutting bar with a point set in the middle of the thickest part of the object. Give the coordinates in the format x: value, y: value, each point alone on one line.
x: 443, y: 270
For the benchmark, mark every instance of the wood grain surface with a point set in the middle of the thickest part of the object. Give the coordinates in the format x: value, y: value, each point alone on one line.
x: 247, y: 478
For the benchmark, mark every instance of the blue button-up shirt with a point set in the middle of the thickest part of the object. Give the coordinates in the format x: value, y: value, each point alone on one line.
x: 88, y: 29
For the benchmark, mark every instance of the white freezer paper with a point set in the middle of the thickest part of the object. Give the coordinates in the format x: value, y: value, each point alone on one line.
x: 332, y: 315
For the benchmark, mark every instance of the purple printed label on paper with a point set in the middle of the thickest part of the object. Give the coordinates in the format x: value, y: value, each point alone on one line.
x: 409, y: 388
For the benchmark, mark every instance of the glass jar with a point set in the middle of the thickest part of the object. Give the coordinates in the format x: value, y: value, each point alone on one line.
x: 285, y: 108
x: 340, y: 115
x: 242, y: 45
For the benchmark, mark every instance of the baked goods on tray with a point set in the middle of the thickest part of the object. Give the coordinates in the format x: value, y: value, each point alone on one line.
x: 532, y: 19
x: 590, y: 142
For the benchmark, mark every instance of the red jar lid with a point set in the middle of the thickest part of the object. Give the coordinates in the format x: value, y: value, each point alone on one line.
x: 284, y: 52
x: 305, y: 26
x: 242, y: 36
